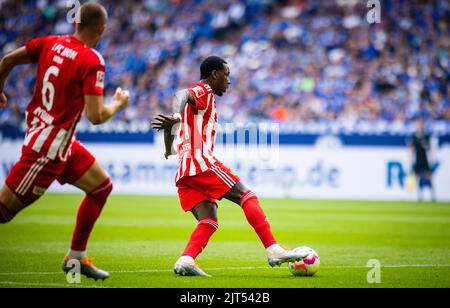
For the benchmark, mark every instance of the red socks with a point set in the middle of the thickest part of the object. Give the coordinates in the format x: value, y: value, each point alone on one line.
x: 5, y: 214
x: 88, y: 213
x: 257, y: 219
x: 255, y: 216
x: 200, y: 237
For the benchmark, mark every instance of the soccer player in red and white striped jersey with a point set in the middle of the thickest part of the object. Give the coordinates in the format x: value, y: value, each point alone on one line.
x: 202, y: 179
x: 70, y: 79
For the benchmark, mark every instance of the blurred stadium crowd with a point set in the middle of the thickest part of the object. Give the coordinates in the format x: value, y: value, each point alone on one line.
x: 293, y: 62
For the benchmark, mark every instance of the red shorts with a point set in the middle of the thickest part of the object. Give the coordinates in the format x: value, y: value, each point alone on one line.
x: 33, y: 174
x: 210, y: 186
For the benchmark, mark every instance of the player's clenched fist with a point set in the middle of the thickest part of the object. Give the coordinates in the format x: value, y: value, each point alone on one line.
x: 3, y: 100
x: 122, y: 98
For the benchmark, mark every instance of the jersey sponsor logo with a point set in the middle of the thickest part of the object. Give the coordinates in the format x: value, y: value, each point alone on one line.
x: 43, y: 115
x: 199, y: 92
x: 186, y: 147
x: 39, y: 191
x: 100, y: 80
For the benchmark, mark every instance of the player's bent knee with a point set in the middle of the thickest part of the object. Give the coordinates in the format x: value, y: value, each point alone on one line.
x: 236, y: 193
x: 212, y: 222
x: 102, y: 192
x: 249, y: 195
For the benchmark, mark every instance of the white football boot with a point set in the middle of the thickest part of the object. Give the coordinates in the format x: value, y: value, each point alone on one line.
x: 277, y: 255
x: 186, y: 266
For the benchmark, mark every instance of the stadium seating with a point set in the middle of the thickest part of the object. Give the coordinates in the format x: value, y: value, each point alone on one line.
x: 311, y: 68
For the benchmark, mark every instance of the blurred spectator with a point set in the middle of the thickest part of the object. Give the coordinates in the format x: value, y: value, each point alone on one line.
x: 292, y: 61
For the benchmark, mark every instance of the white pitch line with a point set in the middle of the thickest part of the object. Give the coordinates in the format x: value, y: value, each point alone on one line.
x: 208, y: 269
x: 392, y: 266
x: 229, y: 268
x: 418, y: 265
x: 30, y: 273
x: 37, y: 284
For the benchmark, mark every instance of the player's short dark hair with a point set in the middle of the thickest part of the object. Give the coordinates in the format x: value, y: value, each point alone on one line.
x: 211, y: 64
x: 92, y: 14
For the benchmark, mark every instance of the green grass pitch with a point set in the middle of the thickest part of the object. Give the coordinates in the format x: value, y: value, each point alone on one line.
x: 139, y: 239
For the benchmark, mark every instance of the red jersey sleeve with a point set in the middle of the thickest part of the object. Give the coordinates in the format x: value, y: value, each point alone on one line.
x: 200, y: 97
x: 34, y: 48
x: 94, y: 80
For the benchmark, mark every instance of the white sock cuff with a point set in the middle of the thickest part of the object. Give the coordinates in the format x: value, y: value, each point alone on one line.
x: 187, y: 259
x: 77, y: 255
x: 275, y: 248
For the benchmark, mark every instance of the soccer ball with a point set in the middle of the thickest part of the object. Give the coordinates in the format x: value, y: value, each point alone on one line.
x: 308, y: 266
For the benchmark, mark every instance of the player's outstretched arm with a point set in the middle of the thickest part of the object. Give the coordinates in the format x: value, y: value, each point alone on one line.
x: 99, y: 113
x: 168, y: 142
x: 167, y: 123
x: 180, y: 99
x: 7, y: 63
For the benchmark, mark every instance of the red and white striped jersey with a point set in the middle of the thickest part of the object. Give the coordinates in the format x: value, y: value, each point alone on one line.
x: 67, y: 71
x: 197, y: 133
